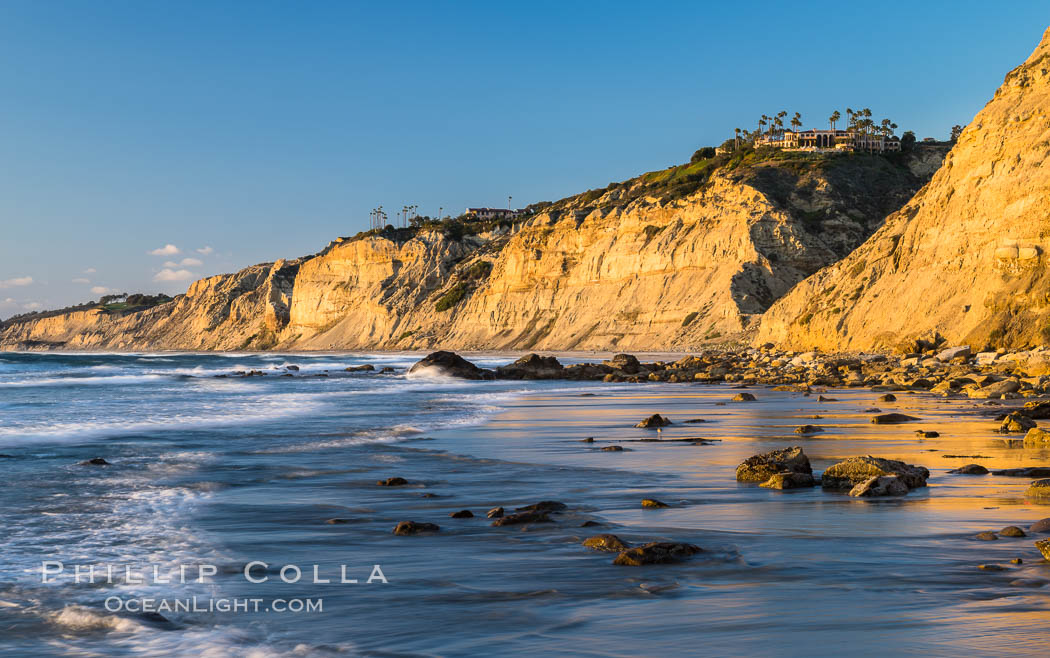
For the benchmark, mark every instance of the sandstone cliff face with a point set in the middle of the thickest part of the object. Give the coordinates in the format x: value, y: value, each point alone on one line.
x: 966, y: 258
x: 609, y: 271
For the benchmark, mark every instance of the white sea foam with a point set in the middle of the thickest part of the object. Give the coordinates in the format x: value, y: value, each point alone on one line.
x: 82, y: 381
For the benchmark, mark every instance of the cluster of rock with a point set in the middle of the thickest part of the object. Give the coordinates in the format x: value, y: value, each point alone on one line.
x: 952, y: 372
x: 865, y: 476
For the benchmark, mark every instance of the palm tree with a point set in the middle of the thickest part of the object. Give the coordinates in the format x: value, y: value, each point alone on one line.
x: 736, y: 142
x: 796, y: 121
x: 833, y: 119
x: 762, y: 124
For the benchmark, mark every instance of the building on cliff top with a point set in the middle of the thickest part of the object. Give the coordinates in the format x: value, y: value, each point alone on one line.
x: 491, y: 213
x: 830, y: 140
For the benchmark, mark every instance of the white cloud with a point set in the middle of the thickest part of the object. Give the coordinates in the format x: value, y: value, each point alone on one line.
x: 191, y: 262
x: 166, y: 250
x: 168, y: 274
x: 16, y: 282
x: 205, y: 251
x: 9, y: 300
x: 170, y: 263
x: 90, y: 270
x: 101, y: 290
x: 33, y: 306
x: 81, y: 280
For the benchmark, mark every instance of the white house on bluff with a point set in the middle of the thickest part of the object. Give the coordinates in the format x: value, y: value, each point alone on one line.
x: 491, y: 213
x: 838, y: 140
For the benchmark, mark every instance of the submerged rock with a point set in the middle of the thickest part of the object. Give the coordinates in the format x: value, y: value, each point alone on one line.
x: 413, y: 528
x: 986, y: 536
x: 893, y: 419
x: 808, y: 429
x: 888, y: 397
x: 653, y: 503
x: 1012, y: 531
x: 1042, y: 526
x: 608, y: 543
x: 451, y: 364
x: 655, y: 553
x: 880, y: 485
x: 544, y: 506
x: 462, y: 514
x: 970, y: 469
x: 495, y: 513
x: 368, y: 367
x: 612, y: 449
x: 743, y: 397
x: 761, y: 468
x: 850, y: 472
x: 392, y: 482
x: 95, y: 461
x: 656, y: 420
x: 927, y: 434
x: 1026, y: 472
x: 522, y: 517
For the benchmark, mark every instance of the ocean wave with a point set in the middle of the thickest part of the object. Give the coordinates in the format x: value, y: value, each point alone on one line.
x: 252, y: 411
x: 83, y: 381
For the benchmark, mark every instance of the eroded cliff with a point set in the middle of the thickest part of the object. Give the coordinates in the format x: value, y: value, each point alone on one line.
x: 965, y: 259
x: 667, y: 260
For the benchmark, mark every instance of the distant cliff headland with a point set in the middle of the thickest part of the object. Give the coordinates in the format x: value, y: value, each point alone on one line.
x: 667, y: 260
x: 830, y: 239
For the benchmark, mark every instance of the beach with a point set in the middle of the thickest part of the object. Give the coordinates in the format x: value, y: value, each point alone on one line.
x: 278, y: 471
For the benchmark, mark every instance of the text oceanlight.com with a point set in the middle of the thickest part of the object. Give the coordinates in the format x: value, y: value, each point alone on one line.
x: 257, y: 572
x: 211, y: 605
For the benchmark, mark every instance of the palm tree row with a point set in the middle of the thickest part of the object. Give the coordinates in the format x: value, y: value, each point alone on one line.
x: 859, y: 123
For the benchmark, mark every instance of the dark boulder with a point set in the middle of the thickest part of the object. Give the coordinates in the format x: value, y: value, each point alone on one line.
x: 882, y: 485
x: 607, y: 543
x: 1016, y: 422
x: 654, y: 421
x: 789, y: 481
x: 532, y: 366
x: 743, y: 397
x: 522, y: 517
x: 970, y: 469
x: 1012, y: 531
x: 1026, y: 472
x: 893, y: 419
x: 624, y: 362
x: 1040, y: 527
x: 451, y: 364
x: 853, y: 471
x: 544, y: 506
x: 1044, y: 547
x: 462, y: 514
x: 392, y: 482
x: 368, y: 367
x: 413, y: 528
x: 95, y: 461
x: 495, y: 513
x: 808, y: 429
x: 760, y: 468
x: 655, y: 553
x: 652, y: 503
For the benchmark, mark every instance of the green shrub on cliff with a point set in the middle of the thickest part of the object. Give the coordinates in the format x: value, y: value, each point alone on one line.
x: 454, y: 296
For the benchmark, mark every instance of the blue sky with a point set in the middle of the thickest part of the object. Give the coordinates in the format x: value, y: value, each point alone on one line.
x: 241, y: 132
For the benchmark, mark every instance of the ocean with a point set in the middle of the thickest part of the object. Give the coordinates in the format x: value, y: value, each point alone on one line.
x: 237, y: 498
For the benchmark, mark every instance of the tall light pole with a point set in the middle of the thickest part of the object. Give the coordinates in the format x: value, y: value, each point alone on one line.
x: 508, y: 202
